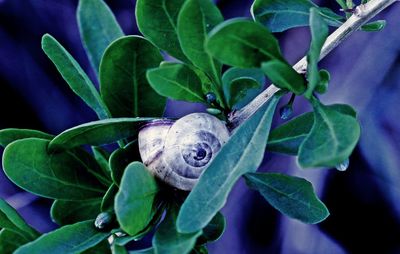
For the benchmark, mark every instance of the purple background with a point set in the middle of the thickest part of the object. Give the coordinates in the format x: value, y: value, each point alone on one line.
x: 364, y: 201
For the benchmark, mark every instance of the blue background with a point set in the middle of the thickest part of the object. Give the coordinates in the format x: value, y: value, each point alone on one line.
x: 364, y: 201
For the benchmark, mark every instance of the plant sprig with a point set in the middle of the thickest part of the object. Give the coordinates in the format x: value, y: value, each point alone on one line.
x: 106, y: 199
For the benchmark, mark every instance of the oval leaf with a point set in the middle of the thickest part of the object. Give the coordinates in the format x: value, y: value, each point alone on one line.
x: 98, y: 28
x: 245, y: 150
x: 331, y: 140
x: 97, y: 133
x: 284, y: 76
x: 157, y: 20
x: 68, y: 212
x: 243, y: 43
x: 177, y: 82
x: 288, y: 137
x: 240, y: 89
x: 280, y: 15
x: 195, y: 21
x: 60, y: 175
x: 237, y: 73
x: 135, y: 199
x: 375, y: 26
x: 123, y: 84
x: 73, y: 74
x: 292, y: 196
x: 8, y: 136
x: 69, y: 239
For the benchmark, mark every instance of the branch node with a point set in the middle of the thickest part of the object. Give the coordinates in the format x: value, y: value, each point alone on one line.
x: 360, y: 11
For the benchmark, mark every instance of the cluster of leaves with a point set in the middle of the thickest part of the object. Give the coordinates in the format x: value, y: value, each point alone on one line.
x: 105, y: 199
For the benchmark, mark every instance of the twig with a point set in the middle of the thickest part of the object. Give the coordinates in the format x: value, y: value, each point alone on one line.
x: 362, y: 14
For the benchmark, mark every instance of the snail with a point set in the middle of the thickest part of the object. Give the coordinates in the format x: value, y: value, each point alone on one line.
x: 177, y: 152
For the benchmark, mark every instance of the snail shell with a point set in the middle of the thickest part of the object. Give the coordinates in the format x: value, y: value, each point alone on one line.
x: 178, y: 152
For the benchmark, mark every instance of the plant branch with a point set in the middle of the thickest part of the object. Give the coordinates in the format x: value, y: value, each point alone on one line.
x: 362, y: 14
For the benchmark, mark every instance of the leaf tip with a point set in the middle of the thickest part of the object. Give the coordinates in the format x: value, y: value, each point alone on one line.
x: 183, y: 225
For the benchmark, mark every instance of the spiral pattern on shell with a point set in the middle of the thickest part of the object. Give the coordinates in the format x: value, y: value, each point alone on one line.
x: 179, y: 152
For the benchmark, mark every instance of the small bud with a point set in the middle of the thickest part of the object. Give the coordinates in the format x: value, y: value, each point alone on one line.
x: 324, y: 78
x: 103, y: 220
x: 211, y: 97
x: 343, y: 165
x: 214, y: 111
x: 286, y: 111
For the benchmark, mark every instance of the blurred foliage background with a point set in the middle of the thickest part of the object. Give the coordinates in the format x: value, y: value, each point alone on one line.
x: 364, y: 201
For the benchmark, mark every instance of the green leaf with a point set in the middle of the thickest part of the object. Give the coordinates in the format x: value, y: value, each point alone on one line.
x: 98, y: 28
x: 242, y: 43
x: 375, y: 26
x: 245, y: 150
x: 177, y: 82
x: 158, y: 212
x: 288, y: 137
x: 102, y: 157
x: 69, y: 239
x: 342, y: 4
x: 73, y: 74
x: 157, y: 20
x: 124, y: 240
x: 144, y: 251
x: 236, y: 73
x: 350, y: 4
x: 92, y: 166
x: 319, y: 33
x: 121, y: 158
x: 195, y: 21
x: 97, y: 133
x: 135, y: 199
x: 284, y: 76
x: 116, y: 249
x: 11, y: 220
x: 8, y: 136
x: 280, y: 15
x: 101, y: 248
x: 331, y: 140
x: 239, y: 89
x: 56, y: 175
x: 292, y: 196
x: 123, y: 84
x: 168, y: 240
x: 69, y: 212
x: 10, y: 241
x: 107, y: 203
x: 214, y: 230
x: 324, y: 78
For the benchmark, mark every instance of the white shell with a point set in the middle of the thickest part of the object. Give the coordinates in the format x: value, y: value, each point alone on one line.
x: 178, y: 154
x: 151, y: 139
